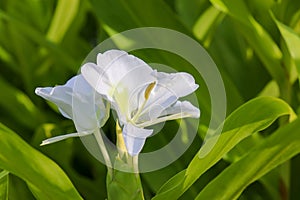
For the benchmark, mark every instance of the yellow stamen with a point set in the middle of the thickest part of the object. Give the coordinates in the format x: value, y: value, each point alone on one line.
x: 147, y: 94
x: 120, y: 141
x: 149, y: 89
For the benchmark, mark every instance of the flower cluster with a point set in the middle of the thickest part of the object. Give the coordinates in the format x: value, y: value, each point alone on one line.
x: 140, y: 96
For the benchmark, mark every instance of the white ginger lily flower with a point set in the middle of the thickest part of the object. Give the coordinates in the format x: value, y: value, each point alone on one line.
x: 140, y: 95
x: 78, y: 101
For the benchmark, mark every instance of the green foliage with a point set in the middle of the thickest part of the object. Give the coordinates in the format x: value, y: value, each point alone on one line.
x: 250, y: 118
x: 255, y: 45
x: 278, y: 148
x: 44, y: 178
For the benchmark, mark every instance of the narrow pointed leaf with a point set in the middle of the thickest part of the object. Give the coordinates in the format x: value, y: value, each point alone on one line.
x: 292, y: 40
x: 275, y: 150
x: 4, y: 184
x: 44, y: 177
x: 251, y: 117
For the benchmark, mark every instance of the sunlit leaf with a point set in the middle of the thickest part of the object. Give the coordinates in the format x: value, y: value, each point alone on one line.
x: 65, y: 13
x: 251, y: 117
x: 45, y: 179
x: 278, y: 148
x: 4, y: 184
x: 292, y: 40
x: 256, y: 35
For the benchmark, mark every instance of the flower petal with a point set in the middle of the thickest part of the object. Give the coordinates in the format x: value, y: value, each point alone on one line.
x: 77, y: 100
x: 116, y: 69
x: 62, y: 137
x: 88, y: 108
x: 135, y: 138
x: 177, y: 111
x: 168, y: 89
x: 104, y: 59
x: 119, y: 77
x: 60, y: 95
x: 181, y: 83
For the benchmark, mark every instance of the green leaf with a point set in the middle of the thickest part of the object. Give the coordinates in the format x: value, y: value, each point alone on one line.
x: 135, y: 13
x: 292, y: 41
x: 18, y: 105
x: 207, y: 23
x: 275, y: 150
x: 44, y: 177
x: 256, y: 35
x: 65, y: 13
x: 4, y: 185
x: 40, y: 39
x: 251, y: 117
x: 189, y: 11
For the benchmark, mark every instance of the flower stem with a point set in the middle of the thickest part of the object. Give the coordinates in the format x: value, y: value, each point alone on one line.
x: 103, y: 150
x: 124, y: 182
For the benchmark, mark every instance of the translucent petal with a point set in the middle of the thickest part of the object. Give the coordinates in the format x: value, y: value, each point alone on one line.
x: 62, y: 137
x: 77, y: 100
x: 180, y: 83
x: 135, y: 138
x: 177, y: 111
x: 168, y: 89
x: 86, y: 111
x: 119, y: 77
x: 60, y: 95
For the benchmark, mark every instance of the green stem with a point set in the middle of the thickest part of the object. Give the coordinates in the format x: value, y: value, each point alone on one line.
x: 103, y: 149
x: 124, y: 182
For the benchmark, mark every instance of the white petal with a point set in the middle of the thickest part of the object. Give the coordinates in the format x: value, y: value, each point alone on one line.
x: 109, y: 56
x: 180, y: 83
x: 177, y: 111
x: 135, y: 138
x: 168, y: 89
x: 88, y: 107
x: 60, y: 95
x: 116, y: 69
x: 97, y: 79
x: 185, y: 109
x: 119, y: 77
x: 77, y: 100
x: 62, y: 137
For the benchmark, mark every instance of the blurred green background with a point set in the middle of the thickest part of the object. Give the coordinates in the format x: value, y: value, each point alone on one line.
x: 255, y: 44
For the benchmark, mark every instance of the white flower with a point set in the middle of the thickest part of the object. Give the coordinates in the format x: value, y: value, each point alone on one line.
x: 140, y: 95
x: 78, y: 101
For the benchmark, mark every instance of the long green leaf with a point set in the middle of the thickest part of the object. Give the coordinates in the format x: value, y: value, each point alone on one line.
x: 40, y: 39
x: 4, y: 185
x: 65, y: 13
x: 135, y: 13
x: 18, y: 105
x: 275, y: 150
x: 251, y: 117
x: 292, y: 41
x: 45, y: 179
x: 256, y: 35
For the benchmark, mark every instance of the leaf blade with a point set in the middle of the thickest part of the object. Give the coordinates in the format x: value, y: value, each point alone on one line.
x: 275, y: 150
x: 44, y: 177
x: 251, y: 117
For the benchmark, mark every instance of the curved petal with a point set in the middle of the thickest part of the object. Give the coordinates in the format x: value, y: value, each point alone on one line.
x: 168, y: 89
x: 97, y: 79
x: 104, y: 59
x: 60, y: 95
x: 88, y: 108
x: 62, y: 137
x: 135, y: 138
x: 181, y: 83
x: 115, y: 69
x: 77, y: 100
x: 177, y: 111
x: 119, y: 77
